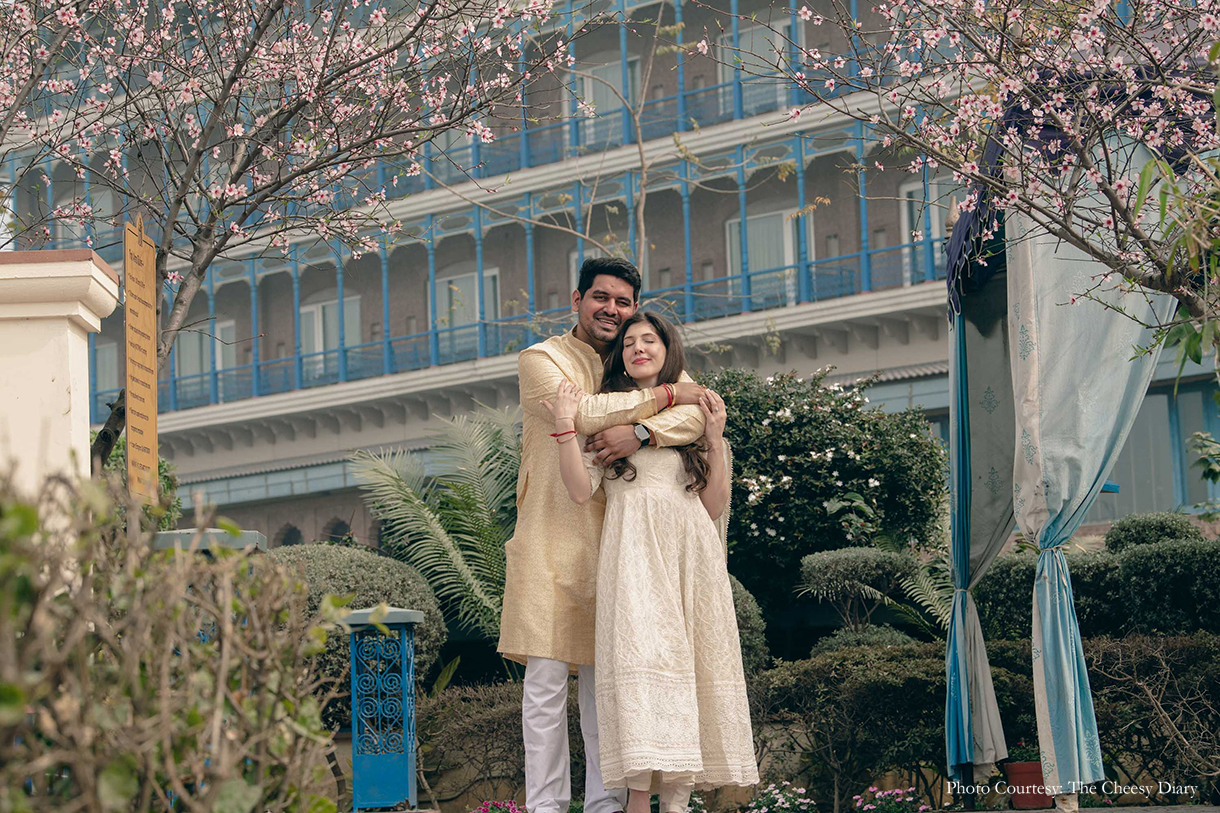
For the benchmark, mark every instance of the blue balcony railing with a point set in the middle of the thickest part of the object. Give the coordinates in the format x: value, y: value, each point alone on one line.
x: 769, y: 289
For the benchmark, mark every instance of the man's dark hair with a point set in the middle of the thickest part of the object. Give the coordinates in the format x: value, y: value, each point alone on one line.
x: 611, y: 267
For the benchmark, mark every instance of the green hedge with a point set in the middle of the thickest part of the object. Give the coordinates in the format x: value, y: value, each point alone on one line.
x: 877, y: 709
x: 1168, y: 587
x: 755, y: 656
x: 371, y: 579
x: 1147, y: 529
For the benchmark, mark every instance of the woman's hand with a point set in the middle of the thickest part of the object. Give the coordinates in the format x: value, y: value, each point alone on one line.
x: 687, y: 393
x: 567, y: 399
x: 715, y: 414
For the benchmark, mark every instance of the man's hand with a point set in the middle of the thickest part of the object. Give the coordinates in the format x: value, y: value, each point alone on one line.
x: 613, y: 444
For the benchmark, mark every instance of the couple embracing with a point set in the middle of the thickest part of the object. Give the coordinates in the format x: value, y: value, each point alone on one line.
x: 617, y: 568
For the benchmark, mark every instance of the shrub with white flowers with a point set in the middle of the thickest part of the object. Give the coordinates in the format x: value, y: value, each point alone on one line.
x: 781, y: 798
x: 798, y: 445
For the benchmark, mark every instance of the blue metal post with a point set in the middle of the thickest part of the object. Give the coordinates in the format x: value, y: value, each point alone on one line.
x: 745, y: 242
x: 853, y: 65
x: 49, y: 170
x: 387, y: 347
x: 578, y: 207
x: 738, y: 105
x: 803, y: 292
x: 794, y: 27
x: 297, y: 371
x: 173, y: 368
x: 478, y: 271
x: 531, y: 302
x: 428, y: 167
x: 629, y: 181
x: 688, y: 285
x: 574, y: 105
x: 866, y: 262
x: 93, y: 416
x: 929, y: 258
x: 338, y: 252
x: 254, y: 354
x: 626, y: 72
x: 525, y: 132
x: 382, y: 685
x: 682, y: 123
x: 476, y: 171
x: 213, y: 376
x: 434, y: 347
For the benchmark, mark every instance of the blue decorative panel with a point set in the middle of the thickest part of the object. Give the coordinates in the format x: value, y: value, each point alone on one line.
x: 383, y: 717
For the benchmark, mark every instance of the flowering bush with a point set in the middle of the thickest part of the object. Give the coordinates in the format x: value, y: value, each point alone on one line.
x: 499, y: 807
x: 798, y: 445
x: 898, y: 800
x: 782, y: 797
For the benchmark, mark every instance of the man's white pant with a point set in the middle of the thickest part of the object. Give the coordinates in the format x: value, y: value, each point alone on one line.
x: 544, y: 722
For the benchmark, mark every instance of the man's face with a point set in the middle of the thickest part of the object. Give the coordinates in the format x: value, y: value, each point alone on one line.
x: 601, y: 311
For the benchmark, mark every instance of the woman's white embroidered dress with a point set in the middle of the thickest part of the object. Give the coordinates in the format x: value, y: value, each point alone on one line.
x: 671, y: 695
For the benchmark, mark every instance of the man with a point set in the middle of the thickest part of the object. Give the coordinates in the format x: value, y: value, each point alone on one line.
x: 549, y: 591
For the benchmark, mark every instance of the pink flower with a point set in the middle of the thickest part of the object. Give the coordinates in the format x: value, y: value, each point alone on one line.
x: 805, y: 14
x: 702, y: 47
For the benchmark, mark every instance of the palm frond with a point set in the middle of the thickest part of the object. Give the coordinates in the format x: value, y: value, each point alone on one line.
x: 399, y: 493
x: 452, y: 523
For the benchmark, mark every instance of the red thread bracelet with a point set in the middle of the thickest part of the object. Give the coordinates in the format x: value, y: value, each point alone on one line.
x: 561, y: 434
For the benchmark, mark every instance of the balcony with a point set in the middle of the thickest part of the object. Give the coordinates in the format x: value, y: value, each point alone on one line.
x: 769, y: 289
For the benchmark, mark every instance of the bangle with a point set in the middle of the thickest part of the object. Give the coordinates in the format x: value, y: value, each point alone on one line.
x: 669, y: 393
x: 558, y: 435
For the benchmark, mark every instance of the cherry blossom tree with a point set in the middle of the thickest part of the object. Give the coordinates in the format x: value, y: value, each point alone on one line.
x: 1093, y: 119
x: 239, y: 128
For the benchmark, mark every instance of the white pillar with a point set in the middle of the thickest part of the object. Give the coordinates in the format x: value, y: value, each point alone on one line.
x: 50, y: 301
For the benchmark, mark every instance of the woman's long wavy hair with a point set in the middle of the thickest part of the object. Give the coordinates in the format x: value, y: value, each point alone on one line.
x: 616, y: 379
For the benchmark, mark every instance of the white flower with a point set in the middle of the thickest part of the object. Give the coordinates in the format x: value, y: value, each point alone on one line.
x: 805, y: 14
x: 873, y: 482
x: 702, y: 47
x: 782, y: 458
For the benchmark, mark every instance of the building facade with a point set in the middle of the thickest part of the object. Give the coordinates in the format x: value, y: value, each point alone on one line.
x: 772, y: 239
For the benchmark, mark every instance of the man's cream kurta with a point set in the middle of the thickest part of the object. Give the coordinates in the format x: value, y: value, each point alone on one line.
x: 551, y: 576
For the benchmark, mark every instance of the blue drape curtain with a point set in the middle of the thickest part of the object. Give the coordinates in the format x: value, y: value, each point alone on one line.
x: 981, y: 424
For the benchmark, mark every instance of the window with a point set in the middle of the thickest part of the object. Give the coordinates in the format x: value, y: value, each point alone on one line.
x: 320, y: 324
x: 913, y: 205
x: 605, y: 82
x: 601, y: 89
x: 552, y: 301
x: 832, y: 246
x: 880, y: 240
x: 758, y: 51
x: 106, y: 371
x: 192, y: 355
x: 458, y: 297
x: 772, y: 246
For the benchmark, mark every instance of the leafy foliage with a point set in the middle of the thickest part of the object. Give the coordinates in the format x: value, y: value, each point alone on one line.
x: 755, y: 656
x: 1144, y: 529
x: 873, y: 635
x: 1167, y: 587
x: 165, y: 515
x: 364, y: 579
x: 132, y: 677
x: 854, y: 580
x: 450, y: 519
x: 796, y: 446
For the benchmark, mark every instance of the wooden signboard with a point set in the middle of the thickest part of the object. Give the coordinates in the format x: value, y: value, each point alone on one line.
x: 140, y: 316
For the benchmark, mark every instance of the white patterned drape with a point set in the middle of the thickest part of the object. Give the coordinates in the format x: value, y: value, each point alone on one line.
x: 1077, y: 391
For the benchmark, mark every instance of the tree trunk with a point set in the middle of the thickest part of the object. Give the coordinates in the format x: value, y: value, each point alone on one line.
x: 109, y: 434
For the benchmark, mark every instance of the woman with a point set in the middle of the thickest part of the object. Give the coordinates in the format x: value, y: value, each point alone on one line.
x: 671, y: 697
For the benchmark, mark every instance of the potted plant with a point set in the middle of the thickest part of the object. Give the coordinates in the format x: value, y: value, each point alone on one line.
x: 1023, y: 770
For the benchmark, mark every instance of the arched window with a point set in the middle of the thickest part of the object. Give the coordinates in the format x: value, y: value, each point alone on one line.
x: 336, y: 530
x: 288, y: 535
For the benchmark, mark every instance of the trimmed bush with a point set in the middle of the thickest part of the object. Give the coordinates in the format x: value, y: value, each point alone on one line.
x: 873, y: 635
x: 845, y: 579
x: 755, y: 656
x: 1147, y: 529
x: 1164, y: 587
x: 371, y: 579
x: 1171, y: 588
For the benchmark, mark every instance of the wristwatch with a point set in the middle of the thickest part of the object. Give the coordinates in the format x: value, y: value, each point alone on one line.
x: 642, y: 434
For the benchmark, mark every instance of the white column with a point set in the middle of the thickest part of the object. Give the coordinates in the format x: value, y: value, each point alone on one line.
x: 50, y: 301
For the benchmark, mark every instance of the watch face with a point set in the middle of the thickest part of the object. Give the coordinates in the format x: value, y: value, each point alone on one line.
x: 641, y: 432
